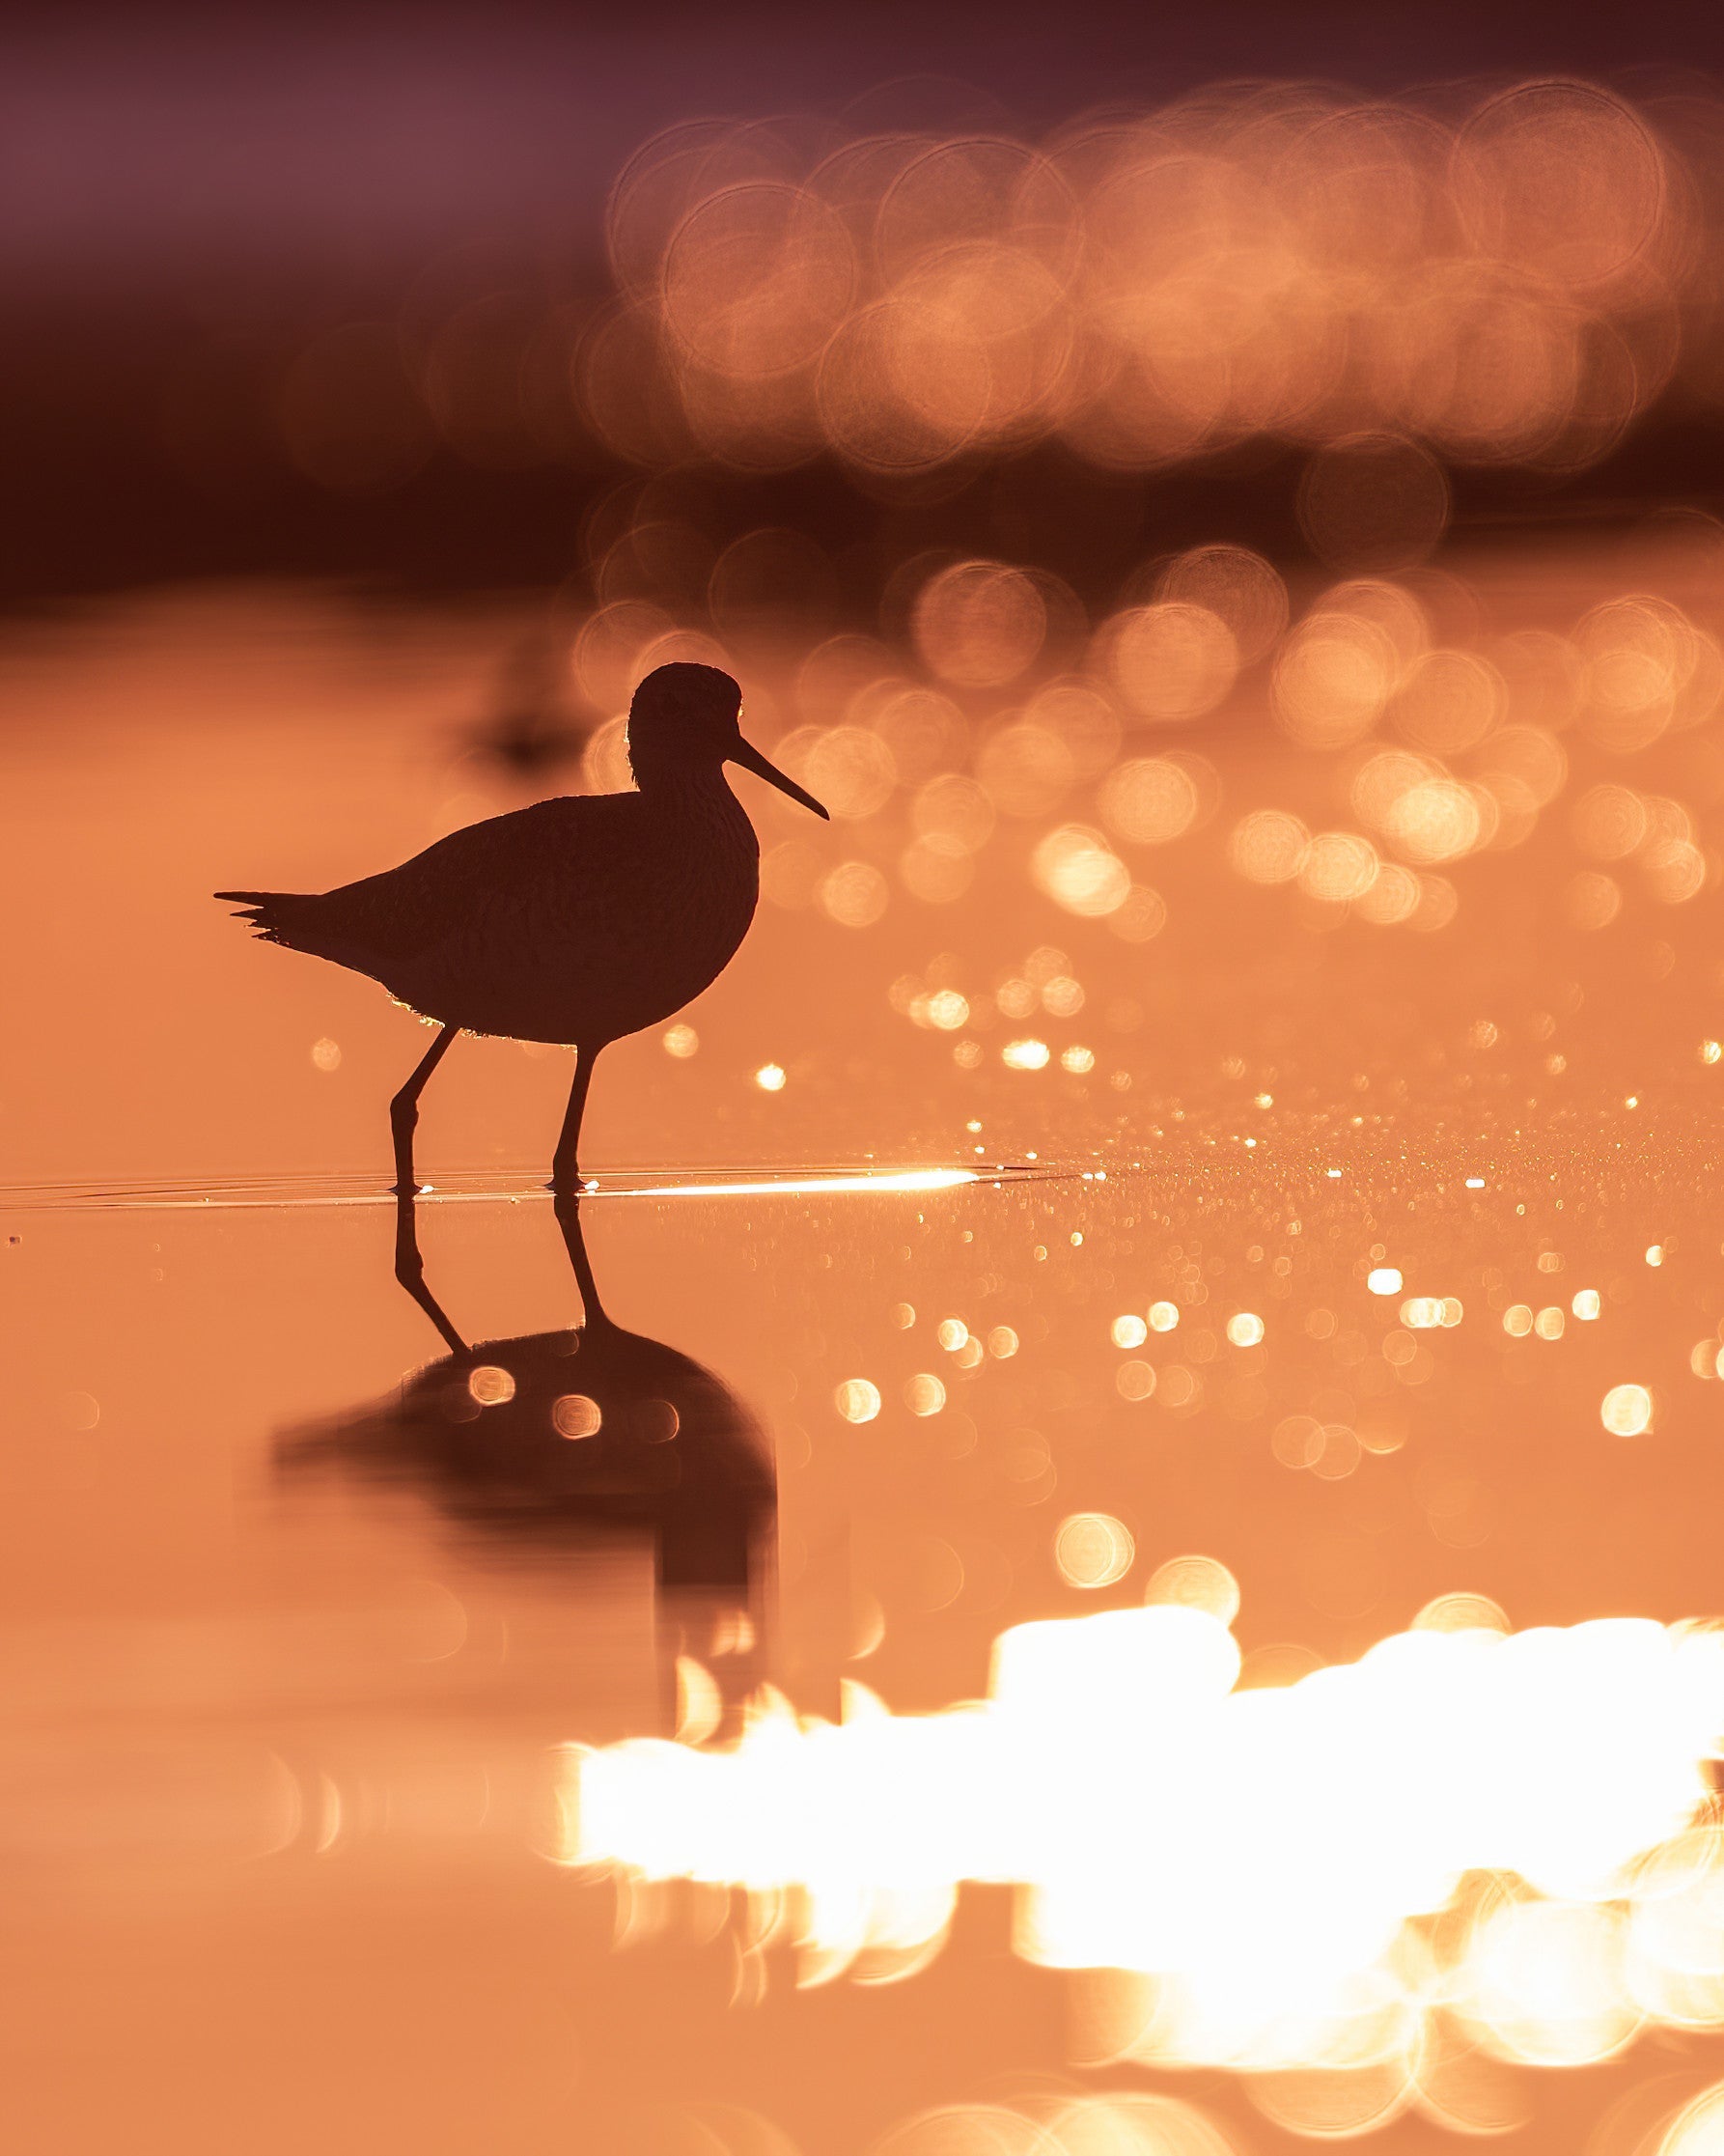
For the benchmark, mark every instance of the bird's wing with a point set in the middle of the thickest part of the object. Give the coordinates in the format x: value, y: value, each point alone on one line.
x: 497, y: 871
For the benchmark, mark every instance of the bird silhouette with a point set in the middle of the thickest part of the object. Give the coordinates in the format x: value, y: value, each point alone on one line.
x: 543, y: 1445
x: 575, y: 921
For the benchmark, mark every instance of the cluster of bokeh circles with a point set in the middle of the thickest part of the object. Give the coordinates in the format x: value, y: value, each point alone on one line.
x: 1431, y: 719
x: 1449, y: 750
x: 1500, y: 277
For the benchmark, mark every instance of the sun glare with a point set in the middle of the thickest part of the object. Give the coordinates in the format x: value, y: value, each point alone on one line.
x: 1501, y: 1840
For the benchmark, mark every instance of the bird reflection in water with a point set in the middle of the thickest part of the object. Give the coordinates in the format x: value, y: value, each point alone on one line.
x: 547, y: 1441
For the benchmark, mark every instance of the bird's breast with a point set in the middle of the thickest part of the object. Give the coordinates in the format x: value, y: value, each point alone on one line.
x: 695, y: 895
x: 668, y: 933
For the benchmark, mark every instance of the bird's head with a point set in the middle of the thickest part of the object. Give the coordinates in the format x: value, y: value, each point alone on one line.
x: 685, y: 717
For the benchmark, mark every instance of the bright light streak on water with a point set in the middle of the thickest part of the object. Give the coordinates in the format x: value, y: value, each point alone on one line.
x: 284, y: 1196
x: 1510, y: 1835
x: 814, y: 1185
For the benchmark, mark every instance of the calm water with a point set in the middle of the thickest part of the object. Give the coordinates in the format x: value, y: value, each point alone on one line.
x: 1374, y: 1262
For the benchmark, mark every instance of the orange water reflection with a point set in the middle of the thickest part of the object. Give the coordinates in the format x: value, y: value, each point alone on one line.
x: 1378, y: 1077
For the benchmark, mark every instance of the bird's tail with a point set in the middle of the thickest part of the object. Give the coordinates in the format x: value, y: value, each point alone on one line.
x: 271, y: 914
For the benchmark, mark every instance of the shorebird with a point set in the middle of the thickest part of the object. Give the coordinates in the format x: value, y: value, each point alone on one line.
x: 575, y: 921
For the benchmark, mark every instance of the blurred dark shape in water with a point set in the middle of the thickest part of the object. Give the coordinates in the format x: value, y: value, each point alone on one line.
x: 530, y: 729
x: 537, y: 1442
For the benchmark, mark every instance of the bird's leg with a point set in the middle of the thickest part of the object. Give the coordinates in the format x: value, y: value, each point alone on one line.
x: 410, y: 1270
x: 568, y: 1208
x: 404, y: 1112
x: 566, y: 1173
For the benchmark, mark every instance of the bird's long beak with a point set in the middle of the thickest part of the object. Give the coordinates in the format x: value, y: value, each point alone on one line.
x: 751, y: 760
